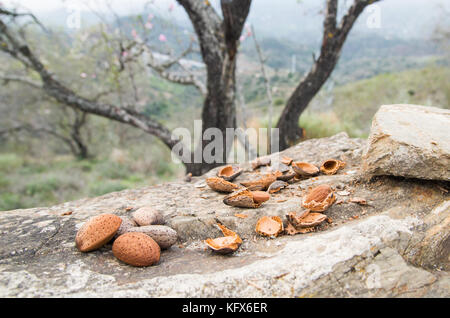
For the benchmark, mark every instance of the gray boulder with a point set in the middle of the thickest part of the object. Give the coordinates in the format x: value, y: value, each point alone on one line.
x: 409, y: 141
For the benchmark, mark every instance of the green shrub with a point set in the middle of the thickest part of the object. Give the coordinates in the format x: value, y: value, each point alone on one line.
x: 10, y: 162
x: 112, y: 170
x: 101, y: 188
x: 10, y: 201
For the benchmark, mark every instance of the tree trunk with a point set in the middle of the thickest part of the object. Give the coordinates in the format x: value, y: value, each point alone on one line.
x: 334, y: 37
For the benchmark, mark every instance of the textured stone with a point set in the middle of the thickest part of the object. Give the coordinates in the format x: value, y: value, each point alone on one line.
x: 395, y: 246
x: 409, y: 141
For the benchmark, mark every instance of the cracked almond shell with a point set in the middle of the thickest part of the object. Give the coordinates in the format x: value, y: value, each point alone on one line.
x: 319, y: 199
x: 262, y: 161
x: 270, y: 226
x: 97, y: 231
x: 306, y: 220
x: 136, y: 249
x: 331, y: 166
x: 229, y: 173
x: 262, y: 183
x: 286, y: 160
x: 243, y: 198
x: 221, y: 185
x: 224, y: 245
x: 305, y: 169
x: 277, y: 186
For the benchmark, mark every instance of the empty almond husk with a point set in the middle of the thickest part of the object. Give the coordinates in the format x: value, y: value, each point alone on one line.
x: 295, y: 218
x: 227, y: 244
x: 245, y: 198
x: 319, y: 199
x: 229, y: 173
x: 286, y: 176
x: 292, y: 230
x: 277, y: 186
x: 286, y: 160
x: 270, y: 226
x: 221, y: 185
x: 262, y: 161
x: 262, y: 183
x: 306, y: 220
x: 331, y: 166
x: 305, y: 169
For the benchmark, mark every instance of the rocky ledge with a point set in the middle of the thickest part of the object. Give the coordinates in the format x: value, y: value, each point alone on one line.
x: 395, y: 244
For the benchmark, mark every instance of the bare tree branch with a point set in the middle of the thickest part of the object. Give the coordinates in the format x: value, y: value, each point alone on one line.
x: 334, y: 36
x: 66, y: 96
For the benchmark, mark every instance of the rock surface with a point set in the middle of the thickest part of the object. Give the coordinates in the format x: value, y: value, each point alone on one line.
x: 409, y: 141
x: 395, y: 246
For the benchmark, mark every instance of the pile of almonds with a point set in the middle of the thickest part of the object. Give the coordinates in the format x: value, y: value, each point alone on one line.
x: 253, y: 193
x: 137, y: 241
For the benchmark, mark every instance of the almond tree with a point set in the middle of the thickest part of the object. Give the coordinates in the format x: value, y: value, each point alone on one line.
x: 333, y: 39
x: 218, y: 40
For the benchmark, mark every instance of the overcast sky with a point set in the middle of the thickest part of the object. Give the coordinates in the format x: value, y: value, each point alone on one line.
x: 277, y: 17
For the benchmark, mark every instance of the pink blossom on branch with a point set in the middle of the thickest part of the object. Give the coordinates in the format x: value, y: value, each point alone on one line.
x: 149, y: 26
x: 171, y: 7
x: 162, y: 38
x: 134, y: 33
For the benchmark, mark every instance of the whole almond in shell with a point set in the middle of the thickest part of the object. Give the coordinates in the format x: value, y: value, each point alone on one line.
x: 97, y: 231
x: 136, y: 249
x: 163, y: 235
x: 127, y: 224
x: 147, y: 216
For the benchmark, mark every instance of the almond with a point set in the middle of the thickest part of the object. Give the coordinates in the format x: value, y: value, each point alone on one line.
x: 229, y: 173
x: 97, y: 231
x: 262, y: 183
x: 319, y: 199
x: 136, y: 249
x: 221, y: 185
x: 147, y: 216
x: 260, y: 196
x: 227, y: 244
x: 262, y: 161
x: 277, y: 186
x: 305, y: 169
x: 270, y: 226
x: 242, y: 198
x: 331, y: 166
x: 127, y: 224
x: 163, y: 235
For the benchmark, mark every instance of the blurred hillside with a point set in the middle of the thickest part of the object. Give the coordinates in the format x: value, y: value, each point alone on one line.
x: 37, y: 169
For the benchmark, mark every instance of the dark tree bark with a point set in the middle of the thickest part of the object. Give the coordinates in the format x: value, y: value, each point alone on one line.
x: 218, y: 38
x: 219, y: 41
x: 334, y: 37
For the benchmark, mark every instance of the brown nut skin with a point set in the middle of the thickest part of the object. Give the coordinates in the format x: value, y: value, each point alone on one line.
x: 97, y: 231
x: 163, y: 235
x: 331, y: 166
x: 260, y: 196
x: 319, y: 199
x: 136, y: 249
x: 147, y: 216
x: 221, y: 185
